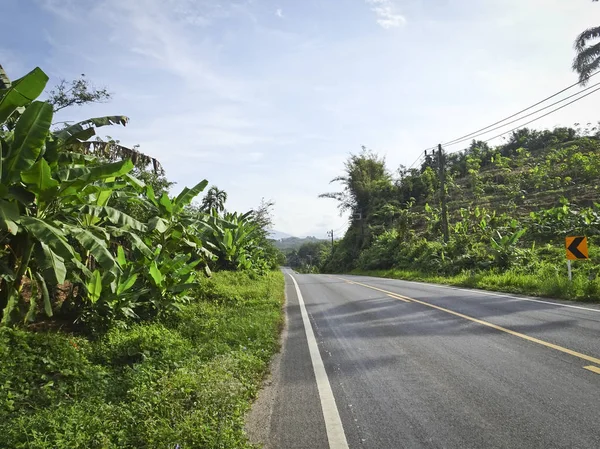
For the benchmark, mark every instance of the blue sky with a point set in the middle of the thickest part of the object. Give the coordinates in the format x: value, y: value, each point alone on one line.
x: 266, y: 98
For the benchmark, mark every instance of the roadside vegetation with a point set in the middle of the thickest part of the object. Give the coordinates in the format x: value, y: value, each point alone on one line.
x: 512, y: 281
x: 129, y: 317
x: 510, y: 209
x: 308, y: 256
x: 187, y: 379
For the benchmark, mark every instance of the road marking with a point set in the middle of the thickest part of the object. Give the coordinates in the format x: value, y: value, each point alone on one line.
x: 493, y: 326
x: 503, y: 295
x: 333, y: 423
x: 593, y: 369
x: 523, y: 299
x: 398, y: 297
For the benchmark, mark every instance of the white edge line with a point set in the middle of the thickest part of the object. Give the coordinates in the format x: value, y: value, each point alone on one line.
x: 333, y: 423
x: 483, y: 292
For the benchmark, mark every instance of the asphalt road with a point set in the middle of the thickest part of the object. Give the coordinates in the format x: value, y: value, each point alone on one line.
x: 431, y: 367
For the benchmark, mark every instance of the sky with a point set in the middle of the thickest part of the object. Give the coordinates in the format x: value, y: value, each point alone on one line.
x: 267, y: 98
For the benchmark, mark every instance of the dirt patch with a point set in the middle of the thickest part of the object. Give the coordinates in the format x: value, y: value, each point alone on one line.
x: 258, y: 419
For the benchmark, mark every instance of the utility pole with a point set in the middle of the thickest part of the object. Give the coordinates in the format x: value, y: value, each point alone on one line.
x: 362, y: 227
x: 442, y: 171
x: 330, y: 234
x: 432, y: 154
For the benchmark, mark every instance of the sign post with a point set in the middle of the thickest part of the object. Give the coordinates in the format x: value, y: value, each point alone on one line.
x: 577, y: 249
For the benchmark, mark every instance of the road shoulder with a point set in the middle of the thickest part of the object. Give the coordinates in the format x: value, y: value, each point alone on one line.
x: 288, y: 403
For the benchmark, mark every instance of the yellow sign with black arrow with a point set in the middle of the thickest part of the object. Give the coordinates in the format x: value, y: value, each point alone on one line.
x: 577, y: 248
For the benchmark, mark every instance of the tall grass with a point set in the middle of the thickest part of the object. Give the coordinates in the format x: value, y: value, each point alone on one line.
x: 546, y: 282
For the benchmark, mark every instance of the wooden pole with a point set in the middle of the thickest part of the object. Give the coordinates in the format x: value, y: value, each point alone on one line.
x: 442, y: 172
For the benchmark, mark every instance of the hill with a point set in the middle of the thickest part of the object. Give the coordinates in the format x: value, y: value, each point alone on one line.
x: 509, y: 209
x: 278, y: 235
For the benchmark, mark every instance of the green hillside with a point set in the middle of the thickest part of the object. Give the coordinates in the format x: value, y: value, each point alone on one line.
x: 509, y: 209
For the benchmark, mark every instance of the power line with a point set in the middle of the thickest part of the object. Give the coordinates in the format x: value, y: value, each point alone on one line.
x: 521, y: 118
x: 343, y: 227
x: 416, y: 162
x: 542, y: 116
x: 338, y: 230
x: 479, y: 131
x: 515, y: 114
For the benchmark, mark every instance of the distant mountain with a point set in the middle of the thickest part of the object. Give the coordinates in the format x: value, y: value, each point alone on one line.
x: 278, y: 235
x: 294, y: 242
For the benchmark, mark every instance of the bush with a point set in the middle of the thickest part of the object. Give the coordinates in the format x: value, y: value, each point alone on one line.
x: 382, y: 253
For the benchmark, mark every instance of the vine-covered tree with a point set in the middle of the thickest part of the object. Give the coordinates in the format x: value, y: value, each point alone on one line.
x: 365, y: 180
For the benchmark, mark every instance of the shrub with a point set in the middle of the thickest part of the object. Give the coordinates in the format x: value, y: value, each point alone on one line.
x: 382, y: 253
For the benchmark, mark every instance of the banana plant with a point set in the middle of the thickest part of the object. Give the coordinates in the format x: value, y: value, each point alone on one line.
x: 504, y: 247
x: 22, y: 141
x: 18, y: 94
x: 51, y: 202
x: 172, y: 227
x: 63, y: 223
x: 233, y: 239
x: 172, y: 268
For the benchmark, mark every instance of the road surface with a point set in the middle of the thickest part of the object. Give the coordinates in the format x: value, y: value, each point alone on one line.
x: 397, y: 364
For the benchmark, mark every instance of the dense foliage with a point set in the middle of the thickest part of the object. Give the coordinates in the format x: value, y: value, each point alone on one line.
x: 129, y: 317
x: 305, y: 255
x: 510, y: 208
x: 83, y: 238
x: 309, y: 256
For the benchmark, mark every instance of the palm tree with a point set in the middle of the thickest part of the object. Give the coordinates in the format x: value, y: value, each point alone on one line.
x: 214, y: 199
x: 588, y: 55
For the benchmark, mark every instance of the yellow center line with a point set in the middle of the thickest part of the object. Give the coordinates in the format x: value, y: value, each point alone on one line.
x: 398, y: 297
x: 593, y: 369
x: 495, y: 326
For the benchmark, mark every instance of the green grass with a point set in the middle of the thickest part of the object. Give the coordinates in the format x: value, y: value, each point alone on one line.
x: 186, y: 380
x: 545, y: 283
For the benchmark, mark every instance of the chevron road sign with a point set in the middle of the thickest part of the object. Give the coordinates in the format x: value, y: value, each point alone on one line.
x: 576, y: 248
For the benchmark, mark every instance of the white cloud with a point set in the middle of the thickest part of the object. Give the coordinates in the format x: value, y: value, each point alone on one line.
x: 213, y: 92
x: 158, y: 37
x: 387, y: 15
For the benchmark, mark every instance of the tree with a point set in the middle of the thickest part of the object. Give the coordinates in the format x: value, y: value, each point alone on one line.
x: 262, y: 217
x: 77, y: 92
x: 80, y: 92
x: 587, y: 59
x: 367, y: 185
x: 214, y: 199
